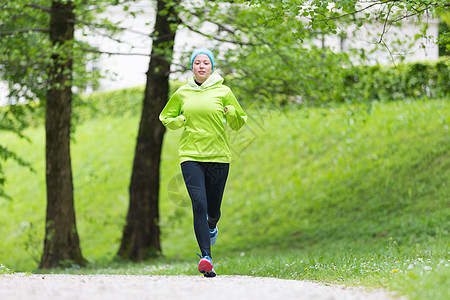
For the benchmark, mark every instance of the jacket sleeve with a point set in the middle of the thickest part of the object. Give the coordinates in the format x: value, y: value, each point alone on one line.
x: 171, y: 114
x: 235, y: 116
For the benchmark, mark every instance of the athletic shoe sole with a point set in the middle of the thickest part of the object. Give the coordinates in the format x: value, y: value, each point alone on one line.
x: 210, y: 273
x: 206, y: 268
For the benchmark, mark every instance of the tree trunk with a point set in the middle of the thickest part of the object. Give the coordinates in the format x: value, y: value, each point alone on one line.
x: 61, y: 244
x: 141, y: 236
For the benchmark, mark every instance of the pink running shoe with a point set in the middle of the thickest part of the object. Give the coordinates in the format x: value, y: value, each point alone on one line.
x: 205, y: 266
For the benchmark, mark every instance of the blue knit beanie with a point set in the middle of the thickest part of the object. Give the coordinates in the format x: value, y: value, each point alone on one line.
x: 202, y: 51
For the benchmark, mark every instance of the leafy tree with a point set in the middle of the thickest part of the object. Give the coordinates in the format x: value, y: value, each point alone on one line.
x: 274, y: 54
x: 55, y: 72
x: 327, y: 15
x: 444, y: 33
x: 12, y: 119
x: 15, y: 68
x: 43, y: 62
x: 61, y: 238
x: 264, y: 61
x: 141, y: 236
x: 49, y: 40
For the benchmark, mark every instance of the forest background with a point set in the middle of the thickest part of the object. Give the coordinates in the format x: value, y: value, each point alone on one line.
x: 340, y: 175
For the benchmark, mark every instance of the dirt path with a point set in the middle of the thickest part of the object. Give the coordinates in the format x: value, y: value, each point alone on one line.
x: 112, y: 287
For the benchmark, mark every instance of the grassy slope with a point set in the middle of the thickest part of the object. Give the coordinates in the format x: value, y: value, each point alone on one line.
x: 314, y: 186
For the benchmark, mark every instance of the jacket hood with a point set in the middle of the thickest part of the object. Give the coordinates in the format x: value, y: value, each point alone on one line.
x: 213, y: 80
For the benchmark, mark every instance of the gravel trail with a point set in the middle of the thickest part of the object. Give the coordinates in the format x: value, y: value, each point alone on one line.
x: 112, y: 287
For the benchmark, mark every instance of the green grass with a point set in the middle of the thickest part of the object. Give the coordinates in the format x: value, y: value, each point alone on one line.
x: 342, y: 195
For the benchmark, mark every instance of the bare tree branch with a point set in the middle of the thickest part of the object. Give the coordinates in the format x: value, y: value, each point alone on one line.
x: 24, y: 31
x: 97, y: 26
x: 376, y: 3
x: 221, y: 26
x: 408, y: 16
x: 182, y: 67
x: 390, y: 52
x: 216, y: 38
x: 354, y: 12
x: 385, y: 23
x: 40, y: 7
x: 114, y: 53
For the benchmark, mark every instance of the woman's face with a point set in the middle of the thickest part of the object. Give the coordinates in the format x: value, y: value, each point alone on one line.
x: 201, y: 67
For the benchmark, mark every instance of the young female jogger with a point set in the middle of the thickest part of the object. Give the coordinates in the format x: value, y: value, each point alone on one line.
x: 199, y: 107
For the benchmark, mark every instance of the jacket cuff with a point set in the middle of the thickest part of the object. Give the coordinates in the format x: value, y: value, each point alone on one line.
x: 180, y: 121
x: 230, y: 109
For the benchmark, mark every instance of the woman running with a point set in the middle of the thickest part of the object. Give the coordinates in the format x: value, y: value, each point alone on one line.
x: 200, y: 107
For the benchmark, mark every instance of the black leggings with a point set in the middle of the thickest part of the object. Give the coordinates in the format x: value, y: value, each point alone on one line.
x: 205, y: 182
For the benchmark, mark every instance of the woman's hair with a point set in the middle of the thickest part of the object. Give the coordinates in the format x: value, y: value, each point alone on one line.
x: 202, y: 51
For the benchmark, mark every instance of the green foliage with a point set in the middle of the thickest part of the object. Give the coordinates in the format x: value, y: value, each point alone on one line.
x: 387, y: 83
x: 112, y: 103
x: 117, y: 103
x: 5, y: 154
x: 275, y: 62
x: 26, y: 57
x: 13, y: 118
x: 278, y: 68
x: 324, y: 15
x: 276, y: 58
x: 327, y: 16
x: 444, y: 33
x: 4, y: 270
x: 321, y: 79
x: 26, y: 50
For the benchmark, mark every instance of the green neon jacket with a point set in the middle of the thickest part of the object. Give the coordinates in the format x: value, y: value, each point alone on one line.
x: 199, y: 110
